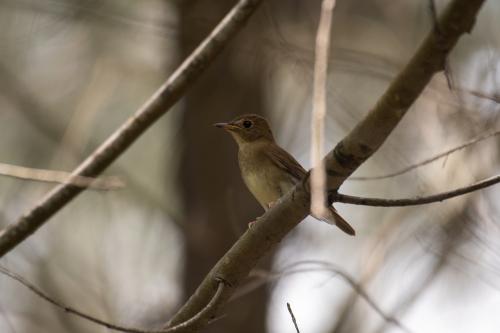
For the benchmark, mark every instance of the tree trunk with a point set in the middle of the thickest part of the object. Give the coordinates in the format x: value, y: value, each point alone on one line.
x: 218, y: 206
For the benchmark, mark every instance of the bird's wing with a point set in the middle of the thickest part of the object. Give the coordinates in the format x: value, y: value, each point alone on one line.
x: 283, y: 160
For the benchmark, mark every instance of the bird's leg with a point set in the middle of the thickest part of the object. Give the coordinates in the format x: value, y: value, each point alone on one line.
x: 252, y: 223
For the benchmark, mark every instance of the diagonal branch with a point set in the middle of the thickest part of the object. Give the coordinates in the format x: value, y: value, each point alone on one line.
x: 378, y: 202
x: 168, y: 94
x: 458, y: 18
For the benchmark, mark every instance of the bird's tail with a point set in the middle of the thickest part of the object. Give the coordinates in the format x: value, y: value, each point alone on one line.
x: 334, y: 218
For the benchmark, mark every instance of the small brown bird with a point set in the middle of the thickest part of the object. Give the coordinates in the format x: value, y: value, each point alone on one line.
x: 267, y: 169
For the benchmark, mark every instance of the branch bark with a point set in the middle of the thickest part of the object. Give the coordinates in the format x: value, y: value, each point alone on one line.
x: 163, y: 99
x: 348, y: 155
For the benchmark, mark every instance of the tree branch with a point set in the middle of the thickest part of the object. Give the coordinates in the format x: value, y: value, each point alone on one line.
x: 168, y: 94
x: 378, y: 202
x: 32, y: 110
x: 494, y: 98
x: 209, y: 310
x: 430, y: 159
x: 457, y: 19
x: 54, y: 176
x: 322, y: 51
x: 204, y: 315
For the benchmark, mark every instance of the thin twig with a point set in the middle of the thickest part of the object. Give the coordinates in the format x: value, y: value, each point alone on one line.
x: 183, y: 327
x: 202, y: 317
x: 288, y: 306
x: 318, y: 176
x: 430, y: 159
x: 434, y: 15
x: 378, y: 202
x: 37, y: 291
x: 161, y: 102
x: 60, y: 177
x: 446, y: 66
x: 360, y: 291
x: 494, y: 98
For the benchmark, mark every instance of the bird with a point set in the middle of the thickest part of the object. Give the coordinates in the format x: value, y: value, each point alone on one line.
x: 268, y: 170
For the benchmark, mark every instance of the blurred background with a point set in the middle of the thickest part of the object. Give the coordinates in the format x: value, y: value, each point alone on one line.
x: 72, y: 71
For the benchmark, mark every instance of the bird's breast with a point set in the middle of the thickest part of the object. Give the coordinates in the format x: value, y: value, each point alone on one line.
x: 262, y: 186
x: 263, y: 178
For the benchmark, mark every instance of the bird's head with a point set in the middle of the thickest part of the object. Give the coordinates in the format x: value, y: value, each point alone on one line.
x: 248, y: 128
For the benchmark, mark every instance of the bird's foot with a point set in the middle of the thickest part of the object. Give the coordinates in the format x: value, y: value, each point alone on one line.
x: 251, y: 224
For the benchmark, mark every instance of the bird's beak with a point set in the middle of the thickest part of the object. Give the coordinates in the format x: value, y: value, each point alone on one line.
x: 226, y: 126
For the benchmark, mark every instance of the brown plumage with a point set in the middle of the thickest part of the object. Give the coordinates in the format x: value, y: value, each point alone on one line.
x: 267, y: 169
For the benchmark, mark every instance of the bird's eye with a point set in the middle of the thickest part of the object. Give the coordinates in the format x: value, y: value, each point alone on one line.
x: 247, y: 124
